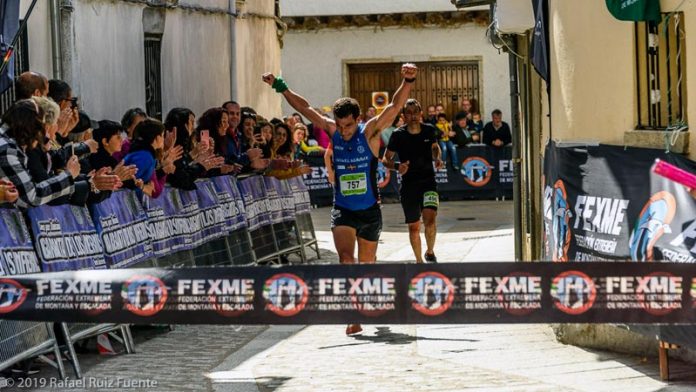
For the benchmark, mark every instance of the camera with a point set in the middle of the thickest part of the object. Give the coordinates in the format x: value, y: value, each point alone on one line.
x: 73, y: 102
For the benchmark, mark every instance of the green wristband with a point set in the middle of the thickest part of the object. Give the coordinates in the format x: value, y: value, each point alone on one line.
x: 279, y: 85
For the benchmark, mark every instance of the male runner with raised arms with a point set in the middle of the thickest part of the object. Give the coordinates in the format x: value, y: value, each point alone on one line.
x: 356, y: 213
x: 416, y: 144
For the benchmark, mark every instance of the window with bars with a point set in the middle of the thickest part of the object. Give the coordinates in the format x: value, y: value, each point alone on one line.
x: 153, y: 75
x: 661, y: 72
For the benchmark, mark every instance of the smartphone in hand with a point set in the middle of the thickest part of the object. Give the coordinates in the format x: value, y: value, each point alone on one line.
x: 205, y: 138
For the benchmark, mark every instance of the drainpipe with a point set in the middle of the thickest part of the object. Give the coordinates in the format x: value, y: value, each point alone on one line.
x: 67, y: 45
x: 55, y: 40
x: 516, y: 140
x: 233, y: 49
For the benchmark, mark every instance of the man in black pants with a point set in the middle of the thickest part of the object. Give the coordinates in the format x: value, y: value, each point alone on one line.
x: 416, y: 143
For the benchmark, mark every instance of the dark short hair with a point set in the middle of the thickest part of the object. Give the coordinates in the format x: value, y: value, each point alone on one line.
x: 27, y: 83
x: 145, y: 133
x: 345, y: 107
x: 496, y: 112
x: 130, y: 115
x: 84, y: 124
x: 412, y: 102
x: 24, y: 124
x: 106, y: 130
x: 230, y: 102
x: 58, y: 90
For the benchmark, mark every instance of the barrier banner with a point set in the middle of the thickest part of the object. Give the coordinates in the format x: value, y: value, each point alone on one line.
x: 287, y: 201
x: 484, y: 173
x: 65, y: 238
x: 17, y: 255
x: 210, y: 213
x: 121, y: 223
x: 459, y: 293
x: 604, y: 203
x: 167, y: 222
x: 300, y: 194
x: 230, y: 201
x: 252, y: 191
x: 271, y: 186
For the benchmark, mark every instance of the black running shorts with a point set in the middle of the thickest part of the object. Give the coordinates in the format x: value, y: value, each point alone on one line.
x: 367, y: 223
x: 417, y: 196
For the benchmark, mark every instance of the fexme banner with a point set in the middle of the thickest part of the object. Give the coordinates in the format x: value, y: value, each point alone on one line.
x: 338, y: 294
x: 605, y: 203
x: 484, y: 172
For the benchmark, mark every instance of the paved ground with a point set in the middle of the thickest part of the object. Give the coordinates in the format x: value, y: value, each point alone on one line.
x: 387, y: 358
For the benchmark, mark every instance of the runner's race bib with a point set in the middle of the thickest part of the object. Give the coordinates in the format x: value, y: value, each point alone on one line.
x: 431, y: 199
x: 353, y: 184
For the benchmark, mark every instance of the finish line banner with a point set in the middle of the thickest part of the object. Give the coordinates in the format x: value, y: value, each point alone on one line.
x: 375, y: 294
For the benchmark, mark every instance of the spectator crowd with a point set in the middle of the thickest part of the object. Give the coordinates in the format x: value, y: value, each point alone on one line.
x: 51, y: 152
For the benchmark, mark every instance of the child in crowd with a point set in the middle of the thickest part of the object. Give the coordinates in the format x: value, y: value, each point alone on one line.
x: 476, y: 127
x: 446, y: 145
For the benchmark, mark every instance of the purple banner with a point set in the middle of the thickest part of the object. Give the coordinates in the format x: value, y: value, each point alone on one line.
x: 273, y: 204
x: 210, y: 213
x: 168, y: 227
x: 300, y: 195
x: 17, y: 255
x: 121, y: 223
x: 230, y: 201
x: 287, y: 201
x: 66, y: 239
x: 253, y: 195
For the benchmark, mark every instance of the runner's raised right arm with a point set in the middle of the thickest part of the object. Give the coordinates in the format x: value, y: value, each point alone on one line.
x: 300, y: 104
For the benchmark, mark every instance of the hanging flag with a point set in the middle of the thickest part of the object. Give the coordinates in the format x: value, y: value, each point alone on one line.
x: 635, y: 10
x: 539, y: 50
x: 9, y: 17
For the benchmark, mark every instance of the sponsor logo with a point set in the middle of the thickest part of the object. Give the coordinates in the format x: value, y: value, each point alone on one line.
x: 286, y: 294
x: 560, y: 222
x: 431, y: 293
x: 520, y: 293
x: 573, y: 292
x: 361, y: 149
x: 12, y: 295
x: 144, y: 295
x: 476, y: 171
x: 653, y: 221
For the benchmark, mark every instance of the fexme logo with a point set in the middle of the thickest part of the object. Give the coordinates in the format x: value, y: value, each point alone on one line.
x: 658, y: 293
x: 561, y: 222
x: 573, y: 292
x: 370, y: 295
x: 286, y: 294
x: 229, y: 297
x: 12, y: 295
x: 144, y: 295
x: 431, y: 293
x: 476, y: 171
x: 653, y: 221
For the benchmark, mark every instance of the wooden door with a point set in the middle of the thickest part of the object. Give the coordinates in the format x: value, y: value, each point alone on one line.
x: 438, y: 82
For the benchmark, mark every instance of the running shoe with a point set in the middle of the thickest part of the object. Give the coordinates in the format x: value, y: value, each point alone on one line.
x: 352, y: 329
x: 430, y: 258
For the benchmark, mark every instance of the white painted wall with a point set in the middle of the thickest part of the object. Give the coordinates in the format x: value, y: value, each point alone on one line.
x: 110, y: 50
x: 313, y: 61
x: 195, y: 55
x: 362, y: 7
x: 39, y: 31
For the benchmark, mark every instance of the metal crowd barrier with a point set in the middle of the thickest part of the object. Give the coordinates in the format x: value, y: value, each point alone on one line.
x: 264, y: 219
